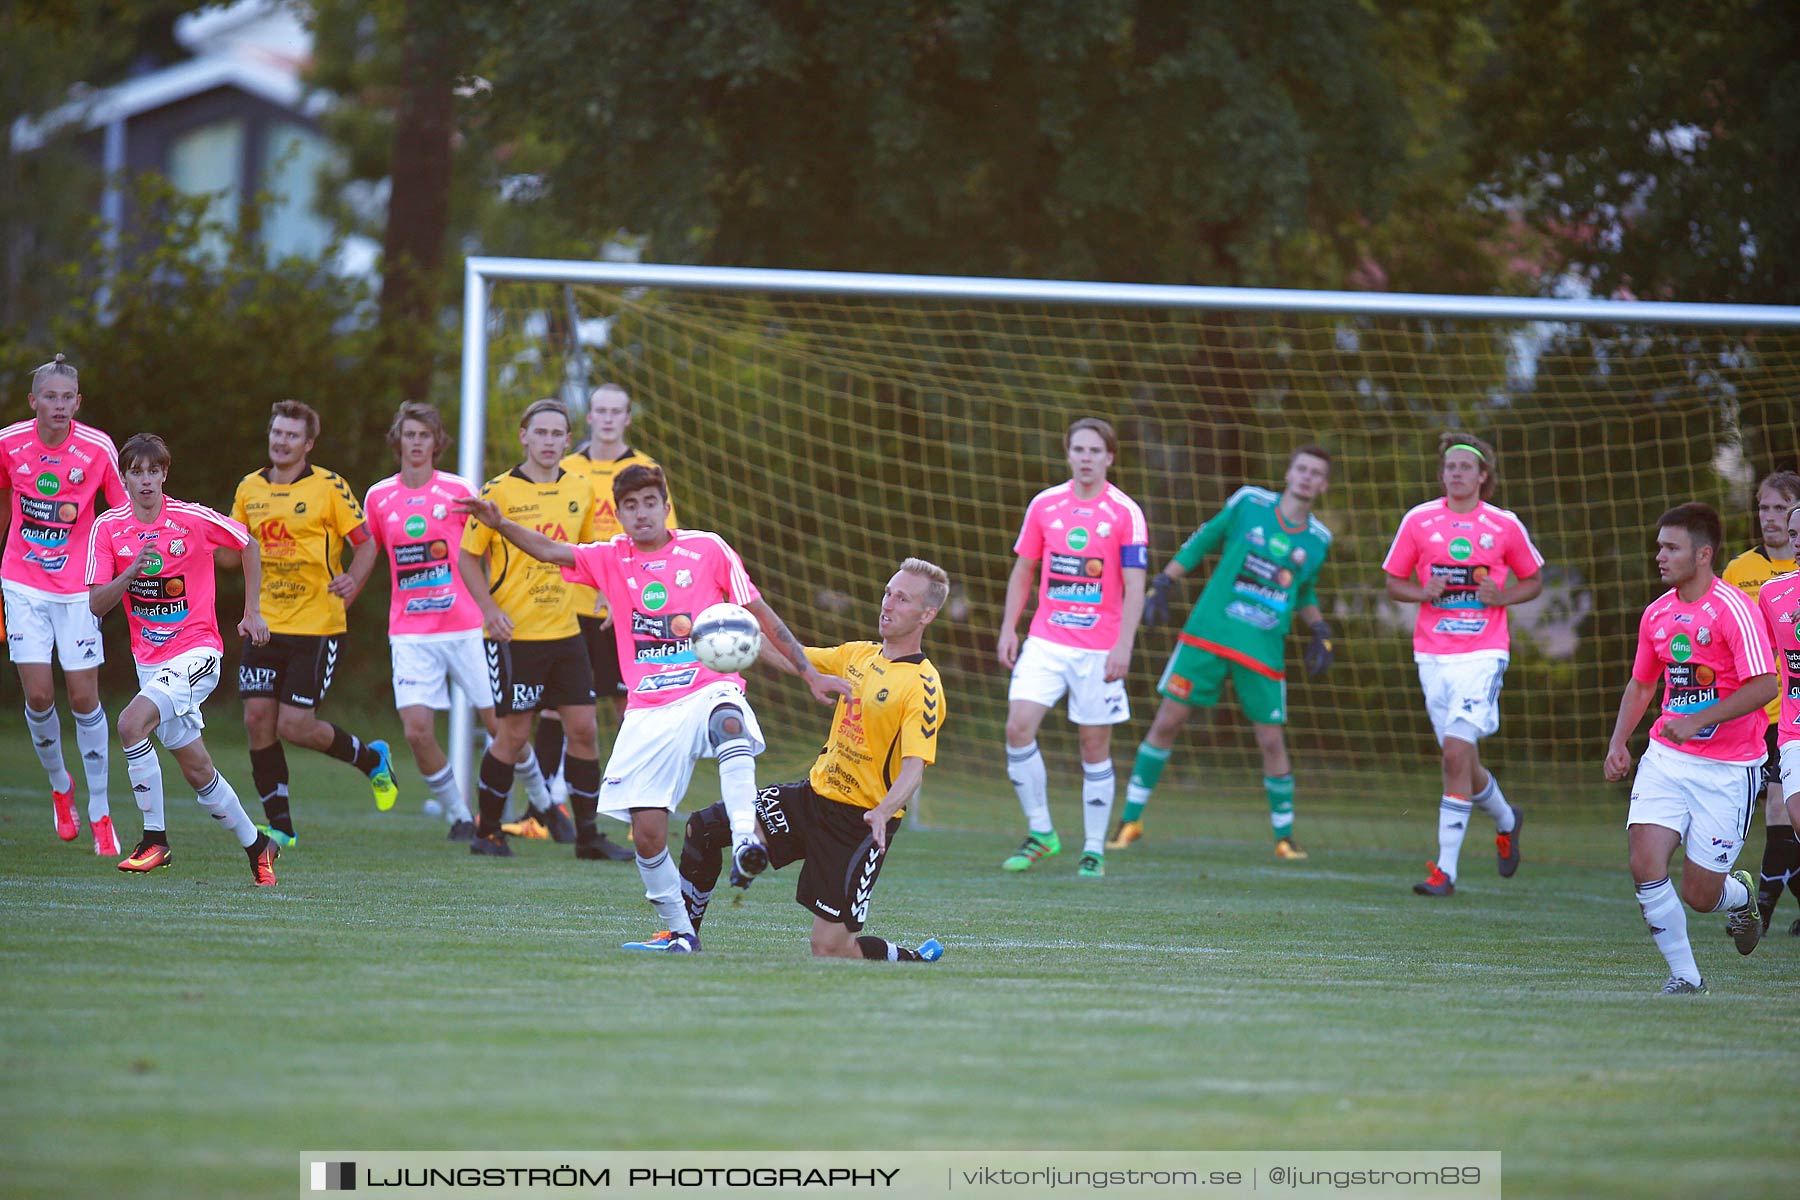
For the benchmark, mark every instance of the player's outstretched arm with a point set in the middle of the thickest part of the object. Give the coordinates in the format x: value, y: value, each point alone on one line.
x: 770, y: 656
x: 906, y: 786
x: 253, y: 626
x: 529, y: 541
x: 102, y: 598
x: 825, y: 688
x: 1631, y: 710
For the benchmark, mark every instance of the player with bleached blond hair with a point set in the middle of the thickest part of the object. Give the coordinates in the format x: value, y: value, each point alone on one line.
x: 58, y: 474
x: 842, y: 818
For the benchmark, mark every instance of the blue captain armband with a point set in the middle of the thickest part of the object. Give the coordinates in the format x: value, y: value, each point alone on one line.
x: 1135, y: 556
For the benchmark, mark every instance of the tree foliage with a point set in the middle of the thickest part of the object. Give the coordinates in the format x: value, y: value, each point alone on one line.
x: 1659, y: 143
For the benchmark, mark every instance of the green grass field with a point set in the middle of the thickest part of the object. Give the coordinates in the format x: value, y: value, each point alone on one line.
x: 185, y: 1035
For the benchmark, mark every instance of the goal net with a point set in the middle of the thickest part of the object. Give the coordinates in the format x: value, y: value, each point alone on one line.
x: 828, y: 436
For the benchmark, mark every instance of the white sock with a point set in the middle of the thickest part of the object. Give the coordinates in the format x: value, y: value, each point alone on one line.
x: 1453, y: 826
x: 443, y: 787
x: 527, y: 772
x: 1733, y: 896
x: 737, y: 787
x: 145, y: 773
x: 1098, y: 787
x: 1490, y: 801
x: 662, y: 888
x: 90, y: 739
x: 1025, y: 769
x: 1668, y: 927
x: 218, y: 798
x: 46, y: 739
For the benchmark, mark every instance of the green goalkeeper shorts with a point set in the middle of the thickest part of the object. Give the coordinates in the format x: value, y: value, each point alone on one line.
x: 1194, y: 677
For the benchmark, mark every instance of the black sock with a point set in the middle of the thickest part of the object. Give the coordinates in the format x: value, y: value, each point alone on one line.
x: 255, y: 849
x: 496, y: 783
x: 882, y: 950
x: 583, y: 777
x: 269, y: 772
x: 1781, y: 859
x: 157, y: 837
x: 347, y: 747
x: 548, y: 744
x: 703, y: 845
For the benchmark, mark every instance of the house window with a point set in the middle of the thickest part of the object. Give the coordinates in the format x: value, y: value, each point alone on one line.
x: 208, y: 160
x: 293, y: 159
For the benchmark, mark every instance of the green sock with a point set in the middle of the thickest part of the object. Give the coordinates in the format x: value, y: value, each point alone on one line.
x: 1144, y: 773
x: 1281, y: 805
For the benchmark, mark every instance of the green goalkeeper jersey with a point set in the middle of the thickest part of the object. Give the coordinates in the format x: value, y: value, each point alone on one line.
x: 1266, y: 571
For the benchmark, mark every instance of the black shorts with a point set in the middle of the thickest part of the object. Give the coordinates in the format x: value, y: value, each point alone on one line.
x: 842, y: 862
x: 603, y: 657
x: 293, y: 668
x: 528, y: 676
x: 1772, y: 764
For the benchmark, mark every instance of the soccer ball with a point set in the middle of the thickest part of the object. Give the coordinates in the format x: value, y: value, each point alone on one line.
x: 726, y: 638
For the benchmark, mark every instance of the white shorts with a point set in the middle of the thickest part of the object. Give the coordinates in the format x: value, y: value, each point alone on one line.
x: 1790, y: 770
x: 1708, y: 803
x: 653, y: 755
x: 178, y: 688
x: 423, y: 669
x: 35, y: 625
x: 1046, y: 672
x: 1462, y: 694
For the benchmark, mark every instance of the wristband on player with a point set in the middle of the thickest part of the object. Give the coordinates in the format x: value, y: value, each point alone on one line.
x: 1318, y: 656
x: 1156, y: 600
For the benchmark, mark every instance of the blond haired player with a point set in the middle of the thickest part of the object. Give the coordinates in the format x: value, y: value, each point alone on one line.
x: 57, y: 475
x: 841, y: 819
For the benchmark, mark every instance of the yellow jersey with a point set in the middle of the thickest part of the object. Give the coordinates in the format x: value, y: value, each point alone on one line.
x: 601, y: 472
x: 894, y: 712
x: 532, y: 593
x: 300, y: 530
x: 1747, y: 573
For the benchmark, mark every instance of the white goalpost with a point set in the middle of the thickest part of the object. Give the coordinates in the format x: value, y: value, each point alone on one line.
x: 882, y: 409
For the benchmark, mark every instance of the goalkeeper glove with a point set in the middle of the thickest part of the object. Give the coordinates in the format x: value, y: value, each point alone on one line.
x: 1156, y: 601
x: 1318, y: 656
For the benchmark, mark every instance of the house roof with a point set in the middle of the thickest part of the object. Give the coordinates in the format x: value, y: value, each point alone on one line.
x: 158, y: 89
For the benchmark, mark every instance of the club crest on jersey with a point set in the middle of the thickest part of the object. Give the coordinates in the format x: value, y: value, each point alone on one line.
x: 178, y: 547
x: 1485, y: 541
x: 76, y: 475
x: 684, y: 578
x: 1299, y: 556
x: 1704, y: 635
x: 439, y: 512
x: 1104, y: 529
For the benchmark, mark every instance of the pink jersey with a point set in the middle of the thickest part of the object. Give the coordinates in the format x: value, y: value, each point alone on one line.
x: 1779, y: 601
x: 655, y: 598
x: 56, y: 494
x: 1084, y: 547
x: 169, y: 606
x: 420, y: 529
x: 1705, y: 651
x: 1464, y: 549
